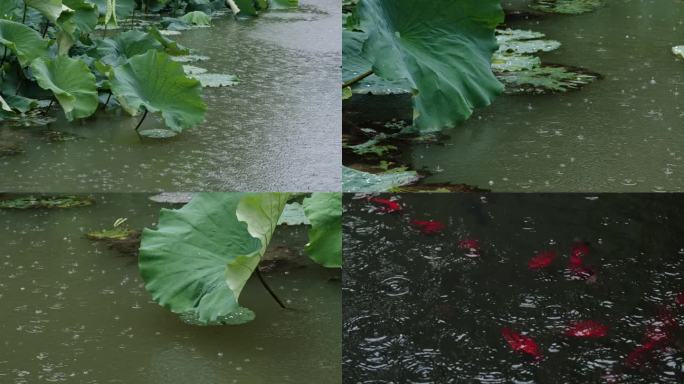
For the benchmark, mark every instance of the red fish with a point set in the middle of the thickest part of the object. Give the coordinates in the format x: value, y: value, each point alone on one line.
x: 521, y: 343
x: 586, y: 329
x: 658, y: 335
x: 469, y: 244
x: 679, y: 299
x: 579, y: 250
x: 542, y: 260
x: 428, y: 227
x: 387, y: 205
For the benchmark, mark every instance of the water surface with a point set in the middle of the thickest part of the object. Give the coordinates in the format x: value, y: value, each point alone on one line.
x: 278, y: 130
x: 417, y: 309
x: 75, y: 311
x: 622, y: 133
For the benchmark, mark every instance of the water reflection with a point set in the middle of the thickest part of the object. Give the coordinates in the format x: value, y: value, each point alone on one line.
x: 419, y: 310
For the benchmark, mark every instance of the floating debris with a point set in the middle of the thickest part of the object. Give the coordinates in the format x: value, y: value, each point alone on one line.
x: 567, y: 7
x: 33, y: 202
x: 678, y: 51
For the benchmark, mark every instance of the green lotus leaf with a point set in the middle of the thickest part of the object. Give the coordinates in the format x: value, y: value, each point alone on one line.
x: 196, y: 18
x: 118, y: 49
x: 171, y: 47
x: 4, y: 105
x: 678, y: 51
x: 442, y: 47
x: 359, y: 181
x: 157, y: 83
x: 324, y: 211
x: 123, y: 8
x: 11, y: 9
x: 71, y: 82
x: 23, y: 41
x: 214, y: 80
x: 199, y: 258
x: 247, y: 7
x: 51, y: 9
x: 82, y: 16
x: 21, y: 104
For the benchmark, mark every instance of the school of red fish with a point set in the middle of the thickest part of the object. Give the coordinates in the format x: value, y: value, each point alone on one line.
x: 658, y: 335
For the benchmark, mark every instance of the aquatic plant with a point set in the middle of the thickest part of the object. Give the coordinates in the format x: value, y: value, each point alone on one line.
x: 442, y: 50
x: 39, y: 202
x: 75, y: 51
x: 198, y: 260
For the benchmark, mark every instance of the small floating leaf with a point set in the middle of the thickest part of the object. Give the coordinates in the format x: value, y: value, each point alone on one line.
x: 157, y: 133
x: 546, y: 79
x: 358, y: 181
x: 112, y: 234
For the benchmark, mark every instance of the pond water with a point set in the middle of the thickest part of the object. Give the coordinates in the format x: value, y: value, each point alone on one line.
x: 278, y: 130
x: 622, y: 133
x: 417, y: 309
x: 75, y: 311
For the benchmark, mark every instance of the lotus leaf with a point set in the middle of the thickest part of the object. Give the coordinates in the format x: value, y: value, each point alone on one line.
x: 324, y: 211
x: 442, y: 47
x: 358, y: 181
x: 23, y: 41
x: 196, y: 18
x: 116, y: 50
x: 198, y: 260
x: 155, y: 82
x: 71, y: 82
x: 51, y: 9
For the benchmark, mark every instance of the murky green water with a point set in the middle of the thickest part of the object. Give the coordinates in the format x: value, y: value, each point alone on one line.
x: 622, y: 133
x: 278, y: 130
x: 75, y: 311
x: 417, y: 309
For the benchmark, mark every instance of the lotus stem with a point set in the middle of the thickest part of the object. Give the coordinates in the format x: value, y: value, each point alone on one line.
x: 47, y: 24
x: 23, y: 18
x: 233, y: 7
x: 357, y: 79
x: 108, y: 97
x: 4, y: 56
x: 141, y: 120
x: 263, y: 282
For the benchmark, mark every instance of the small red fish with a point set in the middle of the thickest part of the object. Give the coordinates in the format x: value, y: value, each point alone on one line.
x: 469, y: 244
x: 387, y: 205
x: 586, y: 329
x: 428, y: 227
x: 579, y: 250
x: 658, y: 335
x: 542, y: 260
x: 679, y: 299
x: 521, y: 343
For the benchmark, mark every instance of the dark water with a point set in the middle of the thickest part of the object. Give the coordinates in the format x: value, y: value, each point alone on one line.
x: 277, y: 130
x: 75, y: 311
x: 622, y: 133
x: 418, y: 310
